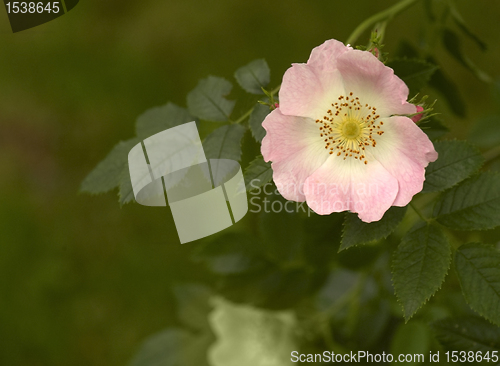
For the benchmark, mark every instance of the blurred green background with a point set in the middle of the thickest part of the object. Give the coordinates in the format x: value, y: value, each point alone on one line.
x: 83, y: 281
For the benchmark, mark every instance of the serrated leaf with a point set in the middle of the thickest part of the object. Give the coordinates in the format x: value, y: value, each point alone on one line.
x: 126, y: 192
x: 449, y: 90
x: 223, y: 143
x: 207, y: 101
x: 357, y: 232
x: 107, y: 174
x: 467, y: 334
x: 414, y: 72
x: 253, y: 76
x: 419, y: 266
x: 472, y: 205
x: 478, y: 269
x: 457, y: 160
x: 258, y: 173
x: 174, y: 347
x: 160, y: 118
x: 257, y: 116
x: 193, y: 305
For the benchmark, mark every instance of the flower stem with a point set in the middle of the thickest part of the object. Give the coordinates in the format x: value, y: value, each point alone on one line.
x: 249, y: 112
x: 379, y: 17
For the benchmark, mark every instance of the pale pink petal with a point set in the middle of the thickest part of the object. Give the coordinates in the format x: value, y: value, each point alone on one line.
x: 404, y: 150
x: 296, y: 149
x: 324, y: 57
x: 304, y: 94
x: 341, y: 185
x: 374, y: 83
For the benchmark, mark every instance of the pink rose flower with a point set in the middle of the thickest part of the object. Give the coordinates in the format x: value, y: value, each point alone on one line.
x: 336, y: 141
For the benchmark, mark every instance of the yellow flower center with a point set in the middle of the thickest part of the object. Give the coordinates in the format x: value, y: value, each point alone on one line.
x: 350, y: 127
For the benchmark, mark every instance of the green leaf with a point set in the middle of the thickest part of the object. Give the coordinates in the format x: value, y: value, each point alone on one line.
x: 419, y: 266
x: 478, y: 269
x: 449, y: 90
x: 357, y: 232
x: 258, y: 173
x: 411, y: 339
x: 472, y: 205
x: 467, y: 334
x: 224, y: 143
x: 230, y: 253
x: 126, y: 192
x: 207, y: 101
x: 158, y: 119
x: 174, y: 347
x: 414, y: 72
x: 457, y: 160
x: 453, y: 45
x: 253, y: 76
x: 258, y: 115
x: 107, y: 174
x: 193, y: 305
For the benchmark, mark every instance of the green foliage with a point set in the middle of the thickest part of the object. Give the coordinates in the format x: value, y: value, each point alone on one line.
x: 411, y: 339
x: 416, y: 73
x: 442, y: 83
x: 453, y: 45
x: 207, y: 101
x: 193, y: 305
x: 259, y: 112
x: 224, y: 143
x: 258, y: 173
x: 433, y: 128
x: 126, y: 192
x: 457, y: 160
x: 420, y: 265
x: 478, y: 268
x: 486, y: 132
x: 472, y: 205
x: 357, y: 232
x: 174, y: 347
x: 253, y: 76
x: 460, y: 22
x: 467, y: 334
x: 158, y: 119
x: 107, y: 174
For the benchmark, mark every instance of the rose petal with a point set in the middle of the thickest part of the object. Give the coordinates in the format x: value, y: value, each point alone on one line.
x: 296, y: 149
x: 374, y: 83
x: 404, y: 150
x: 303, y: 94
x: 341, y: 185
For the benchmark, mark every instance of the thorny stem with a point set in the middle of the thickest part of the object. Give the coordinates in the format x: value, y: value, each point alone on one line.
x: 379, y: 17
